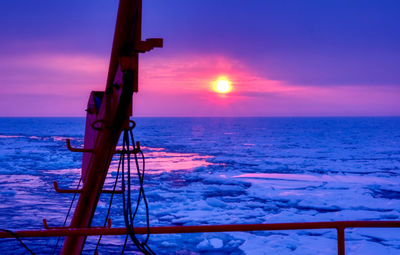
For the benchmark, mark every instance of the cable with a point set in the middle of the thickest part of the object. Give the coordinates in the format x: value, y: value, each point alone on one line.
x: 19, y: 239
x: 66, y: 217
x: 141, y: 179
x: 109, y: 206
x: 141, y: 194
x: 129, y: 202
x: 125, y: 205
x: 129, y: 214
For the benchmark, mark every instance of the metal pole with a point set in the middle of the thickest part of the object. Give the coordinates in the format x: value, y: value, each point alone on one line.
x: 340, y: 240
x: 339, y: 225
x: 114, y: 113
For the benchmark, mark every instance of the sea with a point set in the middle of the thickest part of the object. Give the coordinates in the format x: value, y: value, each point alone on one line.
x: 203, y: 171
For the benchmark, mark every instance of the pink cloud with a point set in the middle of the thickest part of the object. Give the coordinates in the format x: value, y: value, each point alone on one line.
x: 59, y: 84
x: 60, y: 63
x: 196, y: 74
x: 59, y: 74
x: 182, y: 86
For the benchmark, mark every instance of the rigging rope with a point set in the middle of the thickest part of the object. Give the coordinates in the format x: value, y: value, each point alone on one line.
x: 128, y: 148
x: 109, y: 206
x: 19, y: 239
x: 129, y: 215
x: 66, y: 217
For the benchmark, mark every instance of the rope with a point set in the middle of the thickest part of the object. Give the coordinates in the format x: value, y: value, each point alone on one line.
x: 66, y: 217
x: 130, y: 215
x: 19, y: 239
x: 141, y: 179
x: 109, y: 206
x: 126, y: 207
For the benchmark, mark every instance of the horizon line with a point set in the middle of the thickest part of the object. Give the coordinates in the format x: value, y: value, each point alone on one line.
x: 221, y: 116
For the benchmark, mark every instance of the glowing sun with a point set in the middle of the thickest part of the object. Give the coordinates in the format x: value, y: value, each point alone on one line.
x: 222, y: 85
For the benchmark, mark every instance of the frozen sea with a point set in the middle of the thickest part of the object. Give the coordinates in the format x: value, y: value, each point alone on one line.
x: 218, y: 171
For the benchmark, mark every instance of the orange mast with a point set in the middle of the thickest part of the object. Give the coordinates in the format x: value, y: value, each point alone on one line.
x: 106, y: 120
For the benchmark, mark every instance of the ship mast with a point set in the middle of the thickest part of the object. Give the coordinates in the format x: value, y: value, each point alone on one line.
x: 108, y: 114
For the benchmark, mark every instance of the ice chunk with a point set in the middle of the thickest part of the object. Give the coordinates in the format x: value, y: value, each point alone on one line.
x: 203, y: 245
x: 216, y: 243
x: 213, y: 243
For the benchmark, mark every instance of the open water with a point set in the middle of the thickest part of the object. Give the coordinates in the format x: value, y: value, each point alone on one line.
x: 217, y: 171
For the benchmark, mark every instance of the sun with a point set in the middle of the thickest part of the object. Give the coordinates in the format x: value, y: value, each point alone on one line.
x: 222, y: 85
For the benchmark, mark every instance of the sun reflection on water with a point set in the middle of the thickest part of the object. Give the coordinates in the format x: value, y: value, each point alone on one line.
x: 160, y: 161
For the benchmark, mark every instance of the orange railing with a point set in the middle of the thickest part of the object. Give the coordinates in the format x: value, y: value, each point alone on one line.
x: 340, y: 226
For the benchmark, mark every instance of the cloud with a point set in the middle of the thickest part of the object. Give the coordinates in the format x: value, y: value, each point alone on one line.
x: 196, y: 73
x: 59, y: 84
x: 182, y: 86
x: 44, y: 73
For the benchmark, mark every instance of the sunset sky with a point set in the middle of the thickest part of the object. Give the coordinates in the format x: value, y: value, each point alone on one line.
x: 283, y: 58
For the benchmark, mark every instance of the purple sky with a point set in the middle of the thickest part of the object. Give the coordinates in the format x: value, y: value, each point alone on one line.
x: 284, y: 58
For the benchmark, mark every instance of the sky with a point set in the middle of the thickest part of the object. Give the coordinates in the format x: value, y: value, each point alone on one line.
x: 283, y: 58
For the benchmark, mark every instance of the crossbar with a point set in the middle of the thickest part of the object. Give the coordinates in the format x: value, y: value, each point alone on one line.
x: 340, y: 226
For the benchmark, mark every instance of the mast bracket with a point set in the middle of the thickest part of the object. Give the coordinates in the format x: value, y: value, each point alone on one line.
x: 46, y: 226
x: 148, y: 45
x: 77, y: 149
x: 134, y: 151
x: 78, y: 191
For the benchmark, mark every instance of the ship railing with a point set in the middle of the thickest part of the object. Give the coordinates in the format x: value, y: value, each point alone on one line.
x: 340, y: 227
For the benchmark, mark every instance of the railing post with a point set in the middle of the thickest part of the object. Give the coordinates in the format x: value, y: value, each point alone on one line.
x: 340, y: 239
